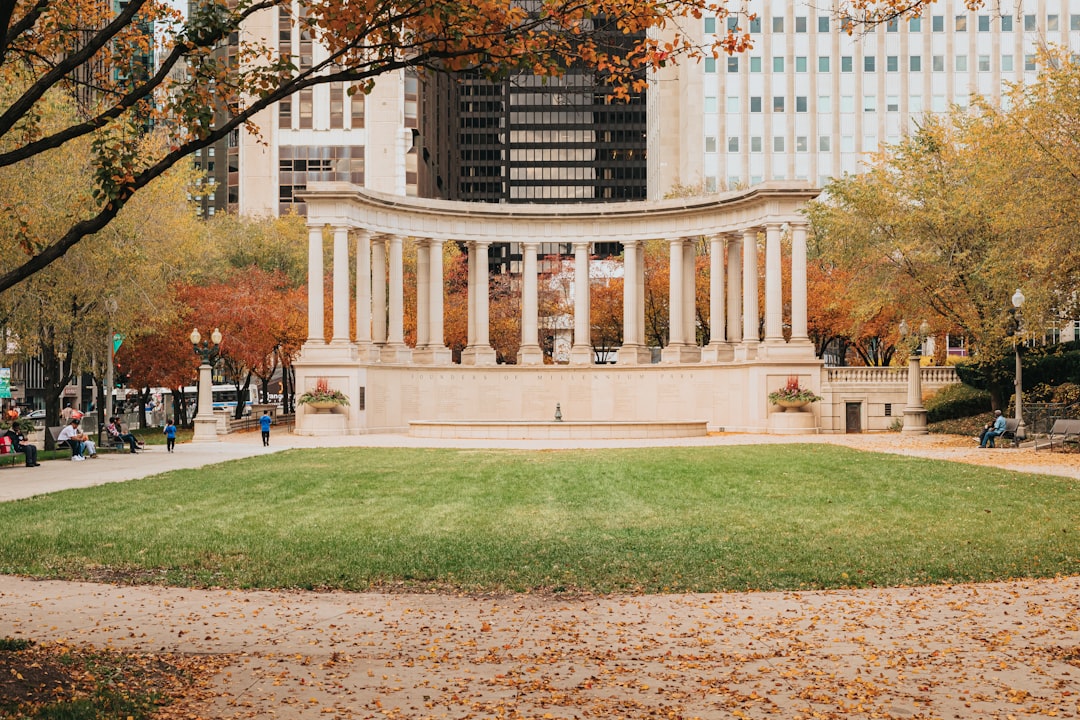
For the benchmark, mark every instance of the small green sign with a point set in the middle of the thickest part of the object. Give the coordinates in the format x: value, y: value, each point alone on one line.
x: 117, y: 341
x: 5, y: 382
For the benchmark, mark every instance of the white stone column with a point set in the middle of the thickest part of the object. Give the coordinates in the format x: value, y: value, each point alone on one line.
x: 718, y: 347
x: 750, y: 294
x: 682, y: 346
x: 440, y: 354
x: 378, y: 289
x: 689, y: 254
x: 470, y: 294
x: 676, y: 304
x: 479, y: 351
x: 640, y: 337
x: 734, y: 289
x: 774, y: 287
x: 341, y: 286
x: 581, y: 352
x: 530, y: 352
x: 423, y: 288
x: 363, y: 292
x: 395, y: 350
x: 633, y: 350
x: 316, y: 331
x: 799, y: 332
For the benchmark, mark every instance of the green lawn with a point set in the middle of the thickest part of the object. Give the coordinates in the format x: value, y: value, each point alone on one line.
x: 655, y: 520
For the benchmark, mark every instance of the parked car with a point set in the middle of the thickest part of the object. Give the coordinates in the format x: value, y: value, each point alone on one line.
x: 36, y: 415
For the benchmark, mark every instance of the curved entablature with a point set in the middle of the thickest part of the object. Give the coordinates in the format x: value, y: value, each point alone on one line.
x: 344, y: 204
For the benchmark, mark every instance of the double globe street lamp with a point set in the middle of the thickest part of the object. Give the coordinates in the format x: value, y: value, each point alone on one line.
x: 208, y: 351
x: 1018, y: 301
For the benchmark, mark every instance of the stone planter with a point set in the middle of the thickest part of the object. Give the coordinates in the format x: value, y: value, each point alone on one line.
x: 792, y: 405
x: 322, y: 406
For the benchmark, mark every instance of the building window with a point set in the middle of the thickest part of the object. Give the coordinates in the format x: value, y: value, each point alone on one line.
x: 984, y: 23
x: 915, y: 65
x: 892, y: 103
x: 823, y: 64
x: 733, y: 144
x: 800, y: 143
x: 915, y: 24
x: 778, y: 144
x: 847, y: 64
x: 778, y: 24
x: 961, y: 23
x: 711, y: 104
x: 824, y: 104
x: 823, y: 23
x: 938, y: 23
x: 755, y: 104
x: 1029, y: 63
x: 778, y: 104
x: 710, y: 144
x: 710, y: 183
x: 1006, y: 63
x: 892, y: 64
x: 755, y: 64
x: 824, y: 143
x: 1074, y: 22
x: 869, y: 103
x: 1052, y: 23
x: 778, y: 64
x: 356, y: 107
x: 733, y: 67
x: 892, y: 25
x: 732, y: 23
x: 961, y: 63
x: 847, y: 103
x: 938, y: 104
x: 800, y: 103
x: 710, y: 65
x: 306, y: 109
x: 869, y: 63
x: 755, y: 144
x: 915, y: 103
x: 1006, y: 23
x: 755, y: 25
x: 847, y: 143
x: 337, y: 105
x: 733, y: 104
x: 939, y: 63
x: 984, y: 63
x: 1029, y: 23
x: 800, y: 24
x: 710, y: 26
x: 285, y: 113
x: 800, y: 64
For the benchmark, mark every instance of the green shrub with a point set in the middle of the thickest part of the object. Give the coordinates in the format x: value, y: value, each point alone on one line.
x: 1065, y: 393
x: 956, y: 401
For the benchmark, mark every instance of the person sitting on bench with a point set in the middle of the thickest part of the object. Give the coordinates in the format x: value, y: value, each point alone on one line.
x: 80, y: 443
x: 117, y: 434
x: 995, y: 430
x: 19, y: 445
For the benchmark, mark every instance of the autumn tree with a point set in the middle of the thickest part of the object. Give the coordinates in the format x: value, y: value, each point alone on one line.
x: 99, y: 55
x: 606, y: 317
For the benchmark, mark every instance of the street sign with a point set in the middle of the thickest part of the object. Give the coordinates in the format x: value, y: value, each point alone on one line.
x: 117, y: 341
x: 5, y: 382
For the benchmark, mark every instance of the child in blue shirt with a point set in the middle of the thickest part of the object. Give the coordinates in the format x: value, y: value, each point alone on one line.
x: 170, y: 435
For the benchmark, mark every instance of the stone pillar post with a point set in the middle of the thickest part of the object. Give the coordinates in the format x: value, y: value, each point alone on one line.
x: 470, y: 294
x: 734, y: 289
x: 689, y: 253
x: 682, y: 346
x: 750, y: 295
x: 581, y: 352
x: 440, y: 354
x: 914, y: 412
x: 718, y: 348
x: 423, y: 290
x: 395, y: 350
x: 479, y: 351
x: 316, y: 331
x: 363, y: 293
x: 378, y: 289
x: 633, y: 350
x: 530, y: 352
x: 341, y: 286
x: 798, y: 285
x: 774, y: 288
x: 675, y: 292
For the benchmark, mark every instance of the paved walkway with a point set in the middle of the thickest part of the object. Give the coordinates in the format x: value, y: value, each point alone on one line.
x: 997, y: 650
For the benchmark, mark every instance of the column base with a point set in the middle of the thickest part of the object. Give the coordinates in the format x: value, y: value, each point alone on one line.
x: 530, y: 355
x: 328, y: 352
x: 680, y: 354
x: 483, y: 355
x: 717, y: 352
x: 747, y: 350
x: 633, y: 355
x: 432, y: 355
x: 205, y: 430
x: 915, y: 422
x: 396, y: 354
x: 368, y: 352
x: 779, y: 349
x: 581, y: 355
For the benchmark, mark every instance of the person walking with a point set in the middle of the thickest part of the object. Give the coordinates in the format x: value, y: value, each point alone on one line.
x: 170, y: 435
x: 264, y: 423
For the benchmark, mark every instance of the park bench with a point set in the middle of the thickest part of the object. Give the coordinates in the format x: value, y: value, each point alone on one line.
x: 1010, y: 432
x: 7, y: 452
x: 1064, y: 431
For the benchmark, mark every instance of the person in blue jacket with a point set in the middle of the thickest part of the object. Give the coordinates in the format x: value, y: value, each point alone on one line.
x: 264, y: 423
x: 995, y: 430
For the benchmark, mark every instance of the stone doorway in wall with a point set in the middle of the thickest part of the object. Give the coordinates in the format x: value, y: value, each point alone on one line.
x: 853, y: 417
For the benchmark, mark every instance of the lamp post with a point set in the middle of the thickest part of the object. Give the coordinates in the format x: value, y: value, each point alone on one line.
x: 1018, y: 301
x: 914, y: 412
x: 205, y: 423
x: 110, y: 308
